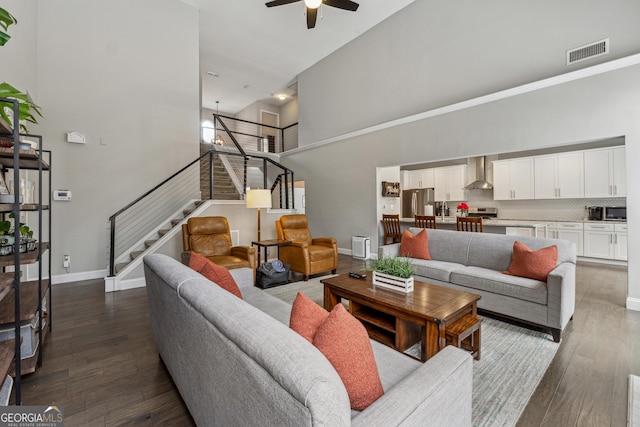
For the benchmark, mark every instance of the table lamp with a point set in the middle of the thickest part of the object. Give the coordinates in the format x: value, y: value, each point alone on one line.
x: 258, y: 199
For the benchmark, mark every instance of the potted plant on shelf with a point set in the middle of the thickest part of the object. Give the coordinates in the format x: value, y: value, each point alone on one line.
x: 27, y: 109
x: 27, y: 242
x: 393, y: 273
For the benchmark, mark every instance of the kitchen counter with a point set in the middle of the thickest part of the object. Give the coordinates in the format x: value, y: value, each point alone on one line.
x: 504, y: 222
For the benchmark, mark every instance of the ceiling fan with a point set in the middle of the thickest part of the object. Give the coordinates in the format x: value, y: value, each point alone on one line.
x: 313, y: 5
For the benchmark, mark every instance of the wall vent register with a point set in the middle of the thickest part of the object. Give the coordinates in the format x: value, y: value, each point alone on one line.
x: 589, y: 51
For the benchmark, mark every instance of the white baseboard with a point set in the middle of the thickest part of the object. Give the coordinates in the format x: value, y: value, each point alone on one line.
x: 76, y: 277
x: 633, y: 304
x: 112, y: 284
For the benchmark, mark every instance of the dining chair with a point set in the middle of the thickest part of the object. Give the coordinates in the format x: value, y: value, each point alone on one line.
x: 391, y: 226
x: 469, y: 224
x: 425, y: 221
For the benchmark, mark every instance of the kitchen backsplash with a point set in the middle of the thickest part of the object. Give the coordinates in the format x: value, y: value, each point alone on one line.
x: 547, y: 210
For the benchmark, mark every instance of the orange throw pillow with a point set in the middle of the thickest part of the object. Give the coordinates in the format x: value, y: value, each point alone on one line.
x: 345, y: 342
x: 532, y: 264
x: 214, y: 272
x: 415, y: 246
x: 306, y: 316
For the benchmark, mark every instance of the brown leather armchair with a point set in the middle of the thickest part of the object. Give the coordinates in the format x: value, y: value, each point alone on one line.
x: 305, y: 255
x: 210, y: 237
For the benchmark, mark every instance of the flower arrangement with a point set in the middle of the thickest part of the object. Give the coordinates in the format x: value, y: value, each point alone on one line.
x: 463, y: 208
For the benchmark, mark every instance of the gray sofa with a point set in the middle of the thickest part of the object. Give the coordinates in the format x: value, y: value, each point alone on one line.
x: 236, y: 362
x: 474, y: 262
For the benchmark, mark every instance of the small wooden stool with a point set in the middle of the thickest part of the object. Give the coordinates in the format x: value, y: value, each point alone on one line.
x: 465, y: 334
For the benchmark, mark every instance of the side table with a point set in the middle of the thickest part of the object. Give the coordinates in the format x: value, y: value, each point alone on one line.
x: 267, y: 244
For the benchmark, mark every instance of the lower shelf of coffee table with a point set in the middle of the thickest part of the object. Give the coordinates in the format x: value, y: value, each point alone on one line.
x: 385, y: 328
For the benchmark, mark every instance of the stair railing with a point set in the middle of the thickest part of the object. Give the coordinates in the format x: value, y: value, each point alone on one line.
x: 138, y: 218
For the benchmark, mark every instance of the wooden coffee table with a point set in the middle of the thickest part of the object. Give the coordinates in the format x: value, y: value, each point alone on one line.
x: 400, y: 320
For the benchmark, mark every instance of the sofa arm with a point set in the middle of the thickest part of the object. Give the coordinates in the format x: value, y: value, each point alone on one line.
x: 438, y: 393
x: 561, y: 291
x: 389, y: 250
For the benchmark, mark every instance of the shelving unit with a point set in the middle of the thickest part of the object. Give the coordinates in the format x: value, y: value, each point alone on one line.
x: 25, y: 315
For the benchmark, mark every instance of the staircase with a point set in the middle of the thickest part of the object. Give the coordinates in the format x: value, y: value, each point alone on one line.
x: 161, y: 232
x: 223, y: 186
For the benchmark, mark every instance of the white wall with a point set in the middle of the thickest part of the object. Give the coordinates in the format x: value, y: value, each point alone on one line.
x: 434, y: 53
x: 338, y: 176
x: 18, y: 58
x: 126, y: 75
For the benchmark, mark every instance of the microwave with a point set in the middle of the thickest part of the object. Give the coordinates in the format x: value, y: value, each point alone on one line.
x: 607, y: 213
x: 615, y: 213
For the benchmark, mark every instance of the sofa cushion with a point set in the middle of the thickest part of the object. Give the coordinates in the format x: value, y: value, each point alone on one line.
x: 415, y: 246
x: 532, y: 264
x: 494, y: 281
x: 306, y: 316
x: 438, y: 270
x: 446, y: 245
x: 214, y: 272
x: 345, y: 342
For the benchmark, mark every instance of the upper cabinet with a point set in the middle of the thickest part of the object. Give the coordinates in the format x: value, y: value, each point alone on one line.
x: 423, y: 178
x: 605, y: 172
x: 449, y: 183
x: 559, y: 176
x: 513, y: 179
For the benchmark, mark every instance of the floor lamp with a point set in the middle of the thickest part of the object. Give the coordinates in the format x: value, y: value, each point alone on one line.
x: 258, y: 199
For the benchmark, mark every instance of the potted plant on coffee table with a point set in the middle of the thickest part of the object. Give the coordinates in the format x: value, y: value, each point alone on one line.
x: 393, y: 273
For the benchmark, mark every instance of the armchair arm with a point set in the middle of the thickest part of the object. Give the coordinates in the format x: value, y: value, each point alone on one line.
x: 324, y: 241
x: 438, y: 393
x: 561, y: 289
x: 245, y: 252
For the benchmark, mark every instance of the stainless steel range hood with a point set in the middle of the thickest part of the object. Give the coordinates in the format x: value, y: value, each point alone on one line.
x: 480, y: 183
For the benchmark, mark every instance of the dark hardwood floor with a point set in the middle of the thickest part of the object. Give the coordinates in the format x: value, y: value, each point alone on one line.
x: 101, y: 365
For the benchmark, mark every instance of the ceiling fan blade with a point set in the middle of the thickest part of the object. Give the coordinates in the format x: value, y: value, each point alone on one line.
x: 312, y: 15
x: 342, y: 4
x: 280, y: 2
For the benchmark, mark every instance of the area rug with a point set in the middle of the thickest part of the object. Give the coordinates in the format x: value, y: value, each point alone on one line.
x: 512, y: 362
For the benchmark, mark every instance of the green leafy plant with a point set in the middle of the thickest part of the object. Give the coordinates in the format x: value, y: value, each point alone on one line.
x: 27, y: 109
x: 394, y: 266
x: 6, y: 20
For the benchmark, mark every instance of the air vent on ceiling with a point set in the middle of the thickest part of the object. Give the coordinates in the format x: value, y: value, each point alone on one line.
x: 589, y: 51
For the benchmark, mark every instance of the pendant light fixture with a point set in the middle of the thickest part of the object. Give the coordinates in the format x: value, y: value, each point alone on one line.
x: 218, y: 139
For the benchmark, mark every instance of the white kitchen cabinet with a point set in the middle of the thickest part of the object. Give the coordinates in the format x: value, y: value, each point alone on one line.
x: 605, y: 240
x: 599, y: 240
x: 559, y: 176
x: 513, y: 179
x: 620, y: 242
x: 571, y: 231
x: 423, y: 178
x: 605, y: 172
x: 450, y: 182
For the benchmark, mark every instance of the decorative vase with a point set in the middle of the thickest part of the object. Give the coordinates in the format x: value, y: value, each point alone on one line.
x: 393, y: 282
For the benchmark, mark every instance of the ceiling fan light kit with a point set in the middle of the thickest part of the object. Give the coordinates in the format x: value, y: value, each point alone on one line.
x: 313, y: 5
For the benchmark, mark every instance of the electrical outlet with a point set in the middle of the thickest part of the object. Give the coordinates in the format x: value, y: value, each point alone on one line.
x: 66, y: 261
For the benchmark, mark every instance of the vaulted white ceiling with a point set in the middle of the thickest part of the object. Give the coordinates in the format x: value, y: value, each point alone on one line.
x: 258, y: 51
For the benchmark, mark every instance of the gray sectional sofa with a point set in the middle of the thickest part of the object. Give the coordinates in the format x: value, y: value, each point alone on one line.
x: 236, y: 362
x: 474, y: 262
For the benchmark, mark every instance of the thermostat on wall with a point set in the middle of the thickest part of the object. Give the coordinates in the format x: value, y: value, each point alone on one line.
x: 64, y: 195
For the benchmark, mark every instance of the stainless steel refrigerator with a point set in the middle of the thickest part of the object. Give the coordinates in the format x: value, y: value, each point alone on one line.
x: 414, y: 201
